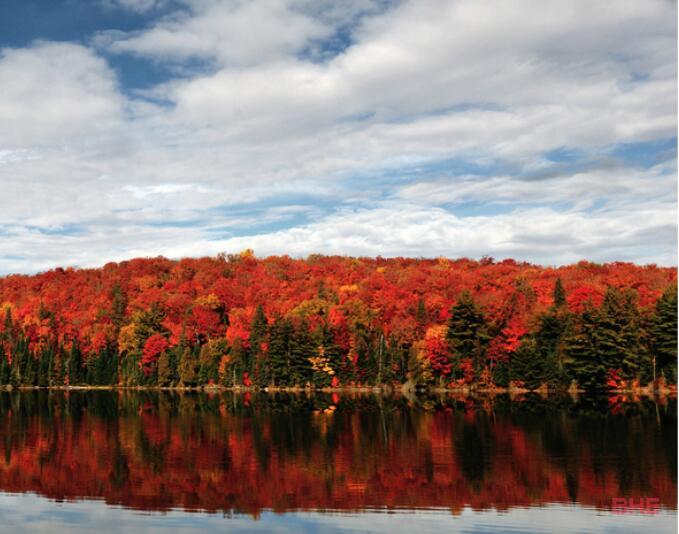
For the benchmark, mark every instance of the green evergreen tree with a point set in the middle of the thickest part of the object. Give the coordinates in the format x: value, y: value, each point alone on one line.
x: 118, y: 306
x: 30, y: 371
x: 580, y: 349
x: 188, y: 365
x: 415, y: 369
x: 467, y: 333
x: 549, y: 346
x: 605, y: 339
x: 559, y: 294
x: 207, y: 365
x: 74, y: 365
x: 56, y: 372
x: 301, y: 349
x: 279, y: 352
x: 164, y: 369
x: 421, y: 317
x: 618, y: 332
x: 4, y: 370
x: 43, y: 367
x: 527, y: 365
x: 664, y: 335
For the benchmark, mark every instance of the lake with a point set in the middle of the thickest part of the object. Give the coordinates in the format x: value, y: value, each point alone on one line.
x: 131, y: 461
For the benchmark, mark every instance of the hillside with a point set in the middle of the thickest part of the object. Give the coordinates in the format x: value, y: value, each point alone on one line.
x: 330, y: 321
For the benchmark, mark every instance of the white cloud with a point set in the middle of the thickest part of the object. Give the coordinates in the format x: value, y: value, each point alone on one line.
x: 617, y: 186
x: 53, y: 93
x: 235, y: 32
x: 139, y: 6
x: 541, y: 235
x: 361, y: 132
x: 161, y: 189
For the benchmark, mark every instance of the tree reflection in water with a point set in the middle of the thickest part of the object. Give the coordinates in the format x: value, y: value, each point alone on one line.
x: 249, y: 453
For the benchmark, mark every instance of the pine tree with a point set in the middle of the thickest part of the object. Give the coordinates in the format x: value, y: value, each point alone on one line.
x: 118, y: 306
x: 415, y: 368
x: 664, y: 335
x: 164, y: 369
x: 301, y: 349
x: 207, y: 365
x: 279, y: 352
x: 580, y: 349
x: 421, y: 317
x: 4, y: 370
x: 527, y: 365
x: 549, y: 346
x: 618, y: 332
x: 44, y: 366
x: 606, y: 339
x: 559, y: 294
x: 467, y: 333
x: 56, y: 372
x: 30, y: 372
x: 74, y: 365
x: 187, y: 368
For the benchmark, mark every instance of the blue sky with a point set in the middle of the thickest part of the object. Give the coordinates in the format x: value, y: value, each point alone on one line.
x: 539, y: 130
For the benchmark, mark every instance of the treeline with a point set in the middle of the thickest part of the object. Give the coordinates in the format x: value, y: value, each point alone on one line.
x: 168, y: 329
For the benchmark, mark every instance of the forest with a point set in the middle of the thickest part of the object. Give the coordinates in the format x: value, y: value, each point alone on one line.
x: 239, y: 321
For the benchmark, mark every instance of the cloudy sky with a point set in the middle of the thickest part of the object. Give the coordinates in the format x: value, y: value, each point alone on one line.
x: 539, y: 130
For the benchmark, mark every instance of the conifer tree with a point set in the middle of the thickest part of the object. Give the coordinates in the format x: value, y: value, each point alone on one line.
x: 618, y: 344
x: 187, y: 368
x: 74, y: 365
x: 664, y: 335
x: 467, y: 333
x: 526, y: 364
x: 301, y: 349
x: 279, y: 352
x: 4, y: 370
x: 580, y: 348
x: 559, y: 294
x: 164, y: 369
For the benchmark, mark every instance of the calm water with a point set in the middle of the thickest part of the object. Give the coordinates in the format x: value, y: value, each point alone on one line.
x: 121, y: 461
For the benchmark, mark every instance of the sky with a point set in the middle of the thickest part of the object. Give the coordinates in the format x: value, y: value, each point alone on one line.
x: 544, y: 131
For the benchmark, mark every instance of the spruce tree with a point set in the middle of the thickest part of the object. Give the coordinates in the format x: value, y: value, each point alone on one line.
x: 664, y: 335
x: 301, y: 349
x: 44, y: 366
x: 605, y: 339
x: 618, y: 332
x: 207, y: 365
x: 56, y: 372
x: 421, y: 317
x: 4, y: 370
x: 527, y: 365
x: 559, y: 294
x: 467, y: 333
x: 118, y: 306
x: 279, y: 352
x: 164, y: 369
x: 583, y: 363
x: 549, y: 346
x: 187, y: 368
x: 74, y: 365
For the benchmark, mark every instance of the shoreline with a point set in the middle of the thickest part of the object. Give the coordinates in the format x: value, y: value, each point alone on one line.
x: 647, y: 391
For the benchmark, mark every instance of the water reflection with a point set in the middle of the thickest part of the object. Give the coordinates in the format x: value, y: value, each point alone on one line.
x: 249, y: 454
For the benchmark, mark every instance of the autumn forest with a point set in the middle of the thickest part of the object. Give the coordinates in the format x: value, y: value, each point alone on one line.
x: 335, y: 322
